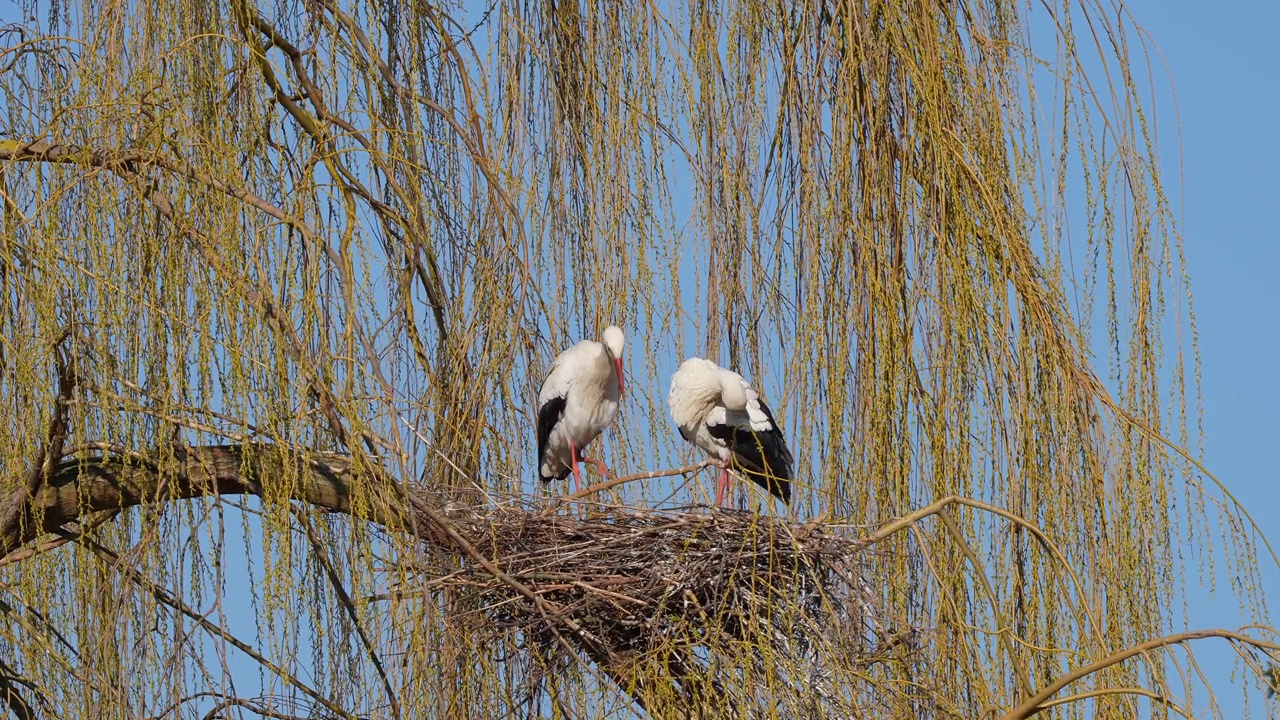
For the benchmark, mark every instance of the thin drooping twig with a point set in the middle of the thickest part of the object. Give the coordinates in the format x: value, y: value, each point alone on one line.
x: 1002, y: 629
x: 344, y: 598
x: 937, y: 506
x: 167, y: 598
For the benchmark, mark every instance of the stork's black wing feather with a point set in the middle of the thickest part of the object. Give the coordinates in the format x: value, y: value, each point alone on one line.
x: 548, y: 415
x: 762, y: 456
x: 781, y: 456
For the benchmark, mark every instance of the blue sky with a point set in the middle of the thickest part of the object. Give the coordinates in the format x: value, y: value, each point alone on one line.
x: 1223, y: 66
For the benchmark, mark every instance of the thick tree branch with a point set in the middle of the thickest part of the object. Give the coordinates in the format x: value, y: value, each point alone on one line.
x: 12, y: 698
x: 12, y: 513
x: 78, y: 487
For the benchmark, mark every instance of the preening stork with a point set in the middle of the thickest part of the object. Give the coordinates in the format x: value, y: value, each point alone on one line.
x: 719, y: 412
x: 578, y: 400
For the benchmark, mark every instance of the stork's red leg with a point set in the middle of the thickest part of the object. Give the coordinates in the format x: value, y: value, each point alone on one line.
x: 722, y: 484
x: 577, y: 477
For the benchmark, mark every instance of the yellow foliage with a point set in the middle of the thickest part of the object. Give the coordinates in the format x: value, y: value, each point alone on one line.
x: 938, y: 244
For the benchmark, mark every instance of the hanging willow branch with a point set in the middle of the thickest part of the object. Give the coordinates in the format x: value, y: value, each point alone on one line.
x: 368, y: 227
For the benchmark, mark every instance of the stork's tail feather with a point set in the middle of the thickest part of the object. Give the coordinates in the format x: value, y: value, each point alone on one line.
x: 544, y: 478
x: 779, y: 487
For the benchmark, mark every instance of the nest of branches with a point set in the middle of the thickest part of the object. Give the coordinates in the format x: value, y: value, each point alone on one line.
x: 666, y: 602
x: 634, y: 578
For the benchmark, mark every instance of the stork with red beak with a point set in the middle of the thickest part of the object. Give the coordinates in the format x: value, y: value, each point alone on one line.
x: 578, y: 400
x: 719, y: 412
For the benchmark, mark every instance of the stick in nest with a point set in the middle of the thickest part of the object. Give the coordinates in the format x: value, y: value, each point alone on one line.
x: 617, y: 481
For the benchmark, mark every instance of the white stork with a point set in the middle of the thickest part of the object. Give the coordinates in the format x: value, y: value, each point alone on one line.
x: 578, y: 400
x: 719, y: 412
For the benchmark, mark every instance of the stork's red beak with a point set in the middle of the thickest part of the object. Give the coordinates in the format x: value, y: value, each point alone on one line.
x: 617, y: 363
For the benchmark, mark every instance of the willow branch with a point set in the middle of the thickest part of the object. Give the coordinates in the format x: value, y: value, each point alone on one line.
x: 167, y: 598
x: 1040, y: 701
x: 1103, y: 692
x: 938, y: 506
x: 82, y: 486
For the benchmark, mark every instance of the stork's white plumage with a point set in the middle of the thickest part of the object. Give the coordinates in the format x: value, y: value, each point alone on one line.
x: 578, y: 400
x: 719, y: 412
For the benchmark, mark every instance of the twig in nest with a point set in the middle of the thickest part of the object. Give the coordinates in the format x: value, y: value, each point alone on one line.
x: 615, y: 482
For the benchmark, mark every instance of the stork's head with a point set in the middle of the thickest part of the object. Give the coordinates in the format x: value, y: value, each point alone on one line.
x: 698, y: 386
x: 614, y: 341
x: 733, y: 393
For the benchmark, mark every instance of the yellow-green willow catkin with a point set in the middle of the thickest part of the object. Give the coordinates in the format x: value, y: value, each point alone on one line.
x: 375, y: 245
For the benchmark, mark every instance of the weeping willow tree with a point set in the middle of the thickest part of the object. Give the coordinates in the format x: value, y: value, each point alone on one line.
x: 280, y: 282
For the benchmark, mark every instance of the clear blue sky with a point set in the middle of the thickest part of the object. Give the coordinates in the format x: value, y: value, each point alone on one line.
x: 1224, y: 64
x: 1224, y: 67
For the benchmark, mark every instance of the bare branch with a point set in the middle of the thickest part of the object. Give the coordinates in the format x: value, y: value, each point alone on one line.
x: 615, y: 482
x: 1039, y: 702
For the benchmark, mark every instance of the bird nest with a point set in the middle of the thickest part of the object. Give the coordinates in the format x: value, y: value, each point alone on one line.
x: 671, y: 590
